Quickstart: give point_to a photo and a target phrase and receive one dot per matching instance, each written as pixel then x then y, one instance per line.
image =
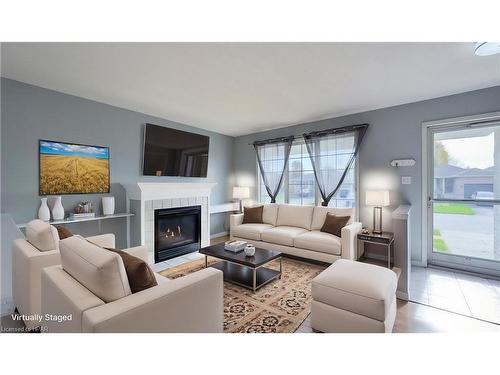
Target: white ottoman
pixel 351 296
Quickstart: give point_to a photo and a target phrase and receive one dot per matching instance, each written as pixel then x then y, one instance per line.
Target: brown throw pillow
pixel 63 232
pixel 140 276
pixel 334 224
pixel 253 215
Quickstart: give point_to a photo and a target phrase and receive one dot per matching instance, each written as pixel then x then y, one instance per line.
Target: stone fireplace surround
pixel 152 196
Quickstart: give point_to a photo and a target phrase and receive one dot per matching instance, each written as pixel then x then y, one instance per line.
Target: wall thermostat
pixel 403 162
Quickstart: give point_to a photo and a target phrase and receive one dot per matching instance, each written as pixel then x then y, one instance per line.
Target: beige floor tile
pixel 457 292
pixel 414 317
pixel 456 305
pixel 419 296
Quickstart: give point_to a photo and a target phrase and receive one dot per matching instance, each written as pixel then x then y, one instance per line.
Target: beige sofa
pixel 30 256
pixel 295 230
pixel 90 292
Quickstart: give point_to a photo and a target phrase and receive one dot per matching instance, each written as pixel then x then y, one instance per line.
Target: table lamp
pixel 240 193
pixel 377 199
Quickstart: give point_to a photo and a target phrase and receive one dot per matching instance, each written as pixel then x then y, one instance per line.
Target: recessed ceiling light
pixel 486 48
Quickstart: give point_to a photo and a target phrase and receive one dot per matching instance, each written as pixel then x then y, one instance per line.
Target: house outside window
pixel 299 185
pixel 455 182
pixel 449 185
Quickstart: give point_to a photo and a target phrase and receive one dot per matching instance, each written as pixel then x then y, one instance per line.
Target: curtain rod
pixel 342 129
pixel 274 140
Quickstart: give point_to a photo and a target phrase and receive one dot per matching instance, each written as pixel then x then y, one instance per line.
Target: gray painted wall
pixel 394 133
pixel 30 113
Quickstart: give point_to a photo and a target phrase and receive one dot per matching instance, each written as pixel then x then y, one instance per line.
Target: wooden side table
pixel 384 239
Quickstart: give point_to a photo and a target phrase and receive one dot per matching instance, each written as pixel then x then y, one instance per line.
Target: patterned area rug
pixel 278 307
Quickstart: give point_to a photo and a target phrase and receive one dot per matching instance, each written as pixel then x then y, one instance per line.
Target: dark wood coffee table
pixel 248 272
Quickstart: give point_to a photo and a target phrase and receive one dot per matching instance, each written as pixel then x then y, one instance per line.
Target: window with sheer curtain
pixel 299 186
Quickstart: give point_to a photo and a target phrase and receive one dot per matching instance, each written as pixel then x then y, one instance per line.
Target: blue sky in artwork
pixel 57 148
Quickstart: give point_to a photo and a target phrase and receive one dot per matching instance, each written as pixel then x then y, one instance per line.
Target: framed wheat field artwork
pixel 71 168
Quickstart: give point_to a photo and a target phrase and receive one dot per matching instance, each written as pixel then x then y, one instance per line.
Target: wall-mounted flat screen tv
pixel 171 152
pixel 70 168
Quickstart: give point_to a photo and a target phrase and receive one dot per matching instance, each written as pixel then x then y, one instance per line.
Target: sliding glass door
pixel 464 196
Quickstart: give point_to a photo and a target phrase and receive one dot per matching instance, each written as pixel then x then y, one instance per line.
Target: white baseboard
pixel 220 234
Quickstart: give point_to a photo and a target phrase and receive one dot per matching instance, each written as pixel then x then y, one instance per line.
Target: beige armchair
pixel 89 292
pixel 30 256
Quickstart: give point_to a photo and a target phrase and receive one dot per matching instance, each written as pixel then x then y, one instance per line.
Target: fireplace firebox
pixel 177 232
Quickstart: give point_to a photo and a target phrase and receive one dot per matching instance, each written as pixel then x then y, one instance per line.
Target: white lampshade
pixel 378 198
pixel 240 192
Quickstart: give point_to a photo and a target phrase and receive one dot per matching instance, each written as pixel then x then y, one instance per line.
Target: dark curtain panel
pixel 332 153
pixel 272 156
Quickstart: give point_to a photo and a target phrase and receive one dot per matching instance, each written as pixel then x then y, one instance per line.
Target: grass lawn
pixel 453 208
pixel 438 243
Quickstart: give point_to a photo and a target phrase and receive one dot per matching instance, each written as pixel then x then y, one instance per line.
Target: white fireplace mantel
pixel 162 190
pixel 160 195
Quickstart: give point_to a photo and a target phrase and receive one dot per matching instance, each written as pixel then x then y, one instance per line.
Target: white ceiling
pixel 241 88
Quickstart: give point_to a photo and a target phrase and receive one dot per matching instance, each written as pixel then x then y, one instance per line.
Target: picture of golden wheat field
pixel 71 169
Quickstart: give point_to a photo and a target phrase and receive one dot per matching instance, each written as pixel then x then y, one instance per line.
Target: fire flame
pixel 170 233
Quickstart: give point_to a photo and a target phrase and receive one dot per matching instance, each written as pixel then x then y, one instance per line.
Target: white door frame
pixel 449 122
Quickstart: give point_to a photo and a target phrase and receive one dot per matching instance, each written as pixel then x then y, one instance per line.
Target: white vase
pixel 108 205
pixel 43 211
pixel 58 210
pixel 249 250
